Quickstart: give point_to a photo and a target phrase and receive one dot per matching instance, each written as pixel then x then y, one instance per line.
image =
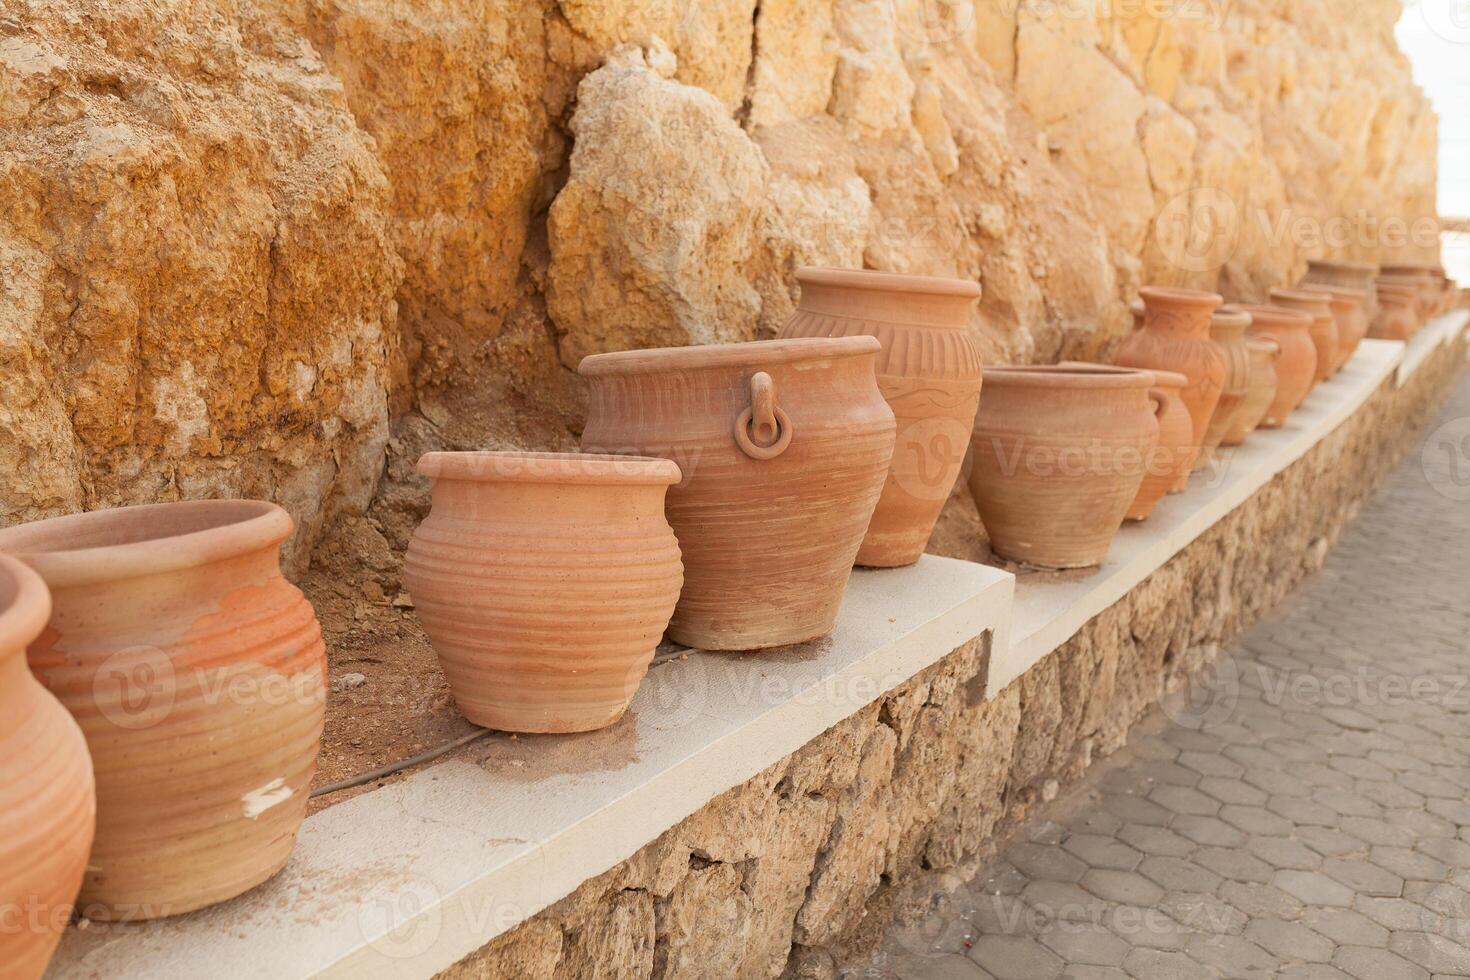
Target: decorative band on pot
pixel 545 581
pixel 198 675
pixel 784 446
pixel 929 373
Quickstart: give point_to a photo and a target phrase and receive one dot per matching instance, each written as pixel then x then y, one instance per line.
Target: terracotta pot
pixel 48 805
pixel 1227 329
pixel 1344 275
pixel 1176 337
pixel 1296 367
pixel 1425 282
pixel 198 676
pixel 1171 460
pixel 1324 325
pixel 784 445
pixel 545 581
pixel 1059 457
pixel 1352 321
pixel 929 373
pixel 1398 311
pixel 1264 354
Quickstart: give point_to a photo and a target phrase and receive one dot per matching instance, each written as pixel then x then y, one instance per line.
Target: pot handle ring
pixel 763 431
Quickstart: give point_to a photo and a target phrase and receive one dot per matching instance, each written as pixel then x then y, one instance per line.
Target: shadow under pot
pixel 1059 456
pixel 1296 366
pixel 1324 325
pixel 47 801
pixel 928 372
pixel 197 674
pixel 545 581
pixel 784 447
pixel 1263 354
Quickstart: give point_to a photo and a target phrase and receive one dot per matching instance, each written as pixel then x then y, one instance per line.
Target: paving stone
pixel 1210 830
pixel 1081 971
pixel 1285 852
pixel 1313 888
pixel 1367 963
pixel 1016 958
pixel 1330 843
pixel 1088 944
pixel 948 967
pixel 1124 887
pixel 1290 941
pixel 1363 877
pixel 1409 864
pixel 1234 863
pixel 1045 862
pixel 1312 971
pixel 1435 953
pixel 1257 820
pixel 1346 927
pixel 1157 840
pixel 1185 801
pixel 1393 913
pixel 1231 790
pixel 1098 851
pixel 1233 956
pixel 1157 964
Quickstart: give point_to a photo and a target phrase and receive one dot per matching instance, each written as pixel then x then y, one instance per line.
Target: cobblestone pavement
pixel 1305 816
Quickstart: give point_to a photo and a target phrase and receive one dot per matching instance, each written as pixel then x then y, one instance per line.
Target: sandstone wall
pixel 279 248
pixel 793 873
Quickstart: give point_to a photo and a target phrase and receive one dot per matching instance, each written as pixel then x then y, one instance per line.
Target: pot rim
pixel 1169 379
pixel 1414 269
pixel 1303 295
pixel 1178 294
pixel 576 469
pixel 1266 316
pixel 1231 315
pixel 1264 344
pixel 215 530
pixel 25 605
pixel 1363 268
pixel 754 355
pixel 888 282
pixel 1069 375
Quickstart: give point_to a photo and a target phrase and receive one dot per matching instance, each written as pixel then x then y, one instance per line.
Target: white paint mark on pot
pixel 273 793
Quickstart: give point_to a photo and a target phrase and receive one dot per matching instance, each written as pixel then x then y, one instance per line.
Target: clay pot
pixel 1059 456
pixel 929 373
pixel 1176 337
pixel 198 676
pixel 48 805
pixel 1264 354
pixel 1296 367
pixel 1227 329
pixel 1398 311
pixel 1324 325
pixel 545 581
pixel 1352 321
pixel 1344 275
pixel 784 446
pixel 1425 283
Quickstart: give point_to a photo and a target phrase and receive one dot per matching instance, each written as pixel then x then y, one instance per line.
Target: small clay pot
pixel 1227 329
pixel 784 446
pixel 929 373
pixel 1059 456
pixel 1324 325
pixel 197 674
pixel 1344 275
pixel 1172 458
pixel 544 581
pixel 1296 367
pixel 1264 354
pixel 1398 311
pixel 1176 337
pixel 1426 278
pixel 48 805
pixel 1352 320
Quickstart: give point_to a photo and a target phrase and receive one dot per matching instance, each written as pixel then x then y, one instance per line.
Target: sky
pixel 1436 36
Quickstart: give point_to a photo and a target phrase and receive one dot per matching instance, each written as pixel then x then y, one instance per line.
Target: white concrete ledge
pixel 1436 333
pixel 408 879
pixel 1048 614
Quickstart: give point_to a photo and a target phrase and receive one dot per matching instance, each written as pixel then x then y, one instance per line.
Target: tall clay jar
pixel 197 674
pixel 1172 457
pixel 1343 275
pixel 47 803
pixel 544 581
pixel 929 373
pixel 1324 325
pixel 784 446
pixel 1263 354
pixel 1399 309
pixel 1296 367
pixel 1059 456
pixel 1352 321
pixel 1227 329
pixel 1176 337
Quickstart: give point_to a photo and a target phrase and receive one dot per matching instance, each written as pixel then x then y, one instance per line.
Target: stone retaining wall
pixel 795 871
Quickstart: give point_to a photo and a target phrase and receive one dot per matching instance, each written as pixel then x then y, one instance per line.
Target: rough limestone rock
pixel 655 236
pixel 198 292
